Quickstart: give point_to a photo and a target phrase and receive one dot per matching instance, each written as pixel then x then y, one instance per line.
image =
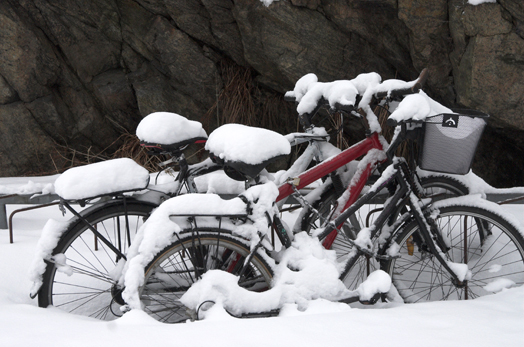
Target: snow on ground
pixel 28 185
pixel 496 320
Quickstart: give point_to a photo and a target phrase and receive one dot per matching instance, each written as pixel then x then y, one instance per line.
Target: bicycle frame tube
pixel 355 202
pixel 330 165
pixel 405 194
pixel 118 252
pixel 354 193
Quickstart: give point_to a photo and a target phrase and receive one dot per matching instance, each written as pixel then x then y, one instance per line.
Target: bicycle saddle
pixel 244 151
pixel 162 132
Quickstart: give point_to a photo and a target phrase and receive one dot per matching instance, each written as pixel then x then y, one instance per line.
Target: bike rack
pixel 22 210
pixel 21 199
pixel 3 220
pixel 43 201
pixel 511 201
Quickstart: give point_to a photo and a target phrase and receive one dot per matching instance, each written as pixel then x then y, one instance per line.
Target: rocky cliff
pixel 78 74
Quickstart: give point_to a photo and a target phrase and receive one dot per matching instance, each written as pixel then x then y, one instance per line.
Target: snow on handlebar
pixel 416 107
pixel 310 95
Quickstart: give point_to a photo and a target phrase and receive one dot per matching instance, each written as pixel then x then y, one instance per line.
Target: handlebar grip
pixel 391 122
pixel 346 108
pixel 420 81
pixel 290 98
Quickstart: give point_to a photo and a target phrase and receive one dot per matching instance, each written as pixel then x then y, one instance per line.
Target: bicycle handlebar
pixel 345 108
pixel 390 94
pixel 421 80
pixel 305 118
pixel 394 94
pixel 290 98
pixel 299 138
pixel 390 122
pixel 322 102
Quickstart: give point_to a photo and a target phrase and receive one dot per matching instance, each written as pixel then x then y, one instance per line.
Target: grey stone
pixel 485 20
pixel 28 64
pixel 154 93
pixel 7 94
pixel 114 90
pixel 430 43
pixel 25 148
pixel 514 7
pixel 491 77
pixel 80 73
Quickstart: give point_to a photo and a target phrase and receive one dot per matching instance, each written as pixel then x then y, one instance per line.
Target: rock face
pixel 79 73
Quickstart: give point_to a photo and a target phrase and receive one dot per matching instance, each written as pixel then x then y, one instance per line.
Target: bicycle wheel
pixel 86 286
pixel 442 187
pixel 495 261
pixel 178 266
pixel 355 271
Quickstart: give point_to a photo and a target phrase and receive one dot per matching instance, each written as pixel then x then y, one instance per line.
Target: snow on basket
pixel 93 180
pixel 168 128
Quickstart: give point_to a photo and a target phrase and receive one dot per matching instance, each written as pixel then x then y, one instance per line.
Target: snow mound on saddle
pixel 88 181
pixel 250 145
pixel 167 128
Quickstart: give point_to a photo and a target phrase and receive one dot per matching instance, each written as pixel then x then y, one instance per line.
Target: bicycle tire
pixel 90 290
pixel 355 271
pixel 170 274
pixel 495 262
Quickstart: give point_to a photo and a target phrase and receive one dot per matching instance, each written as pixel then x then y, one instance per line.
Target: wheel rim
pixel 357 272
pixel 495 261
pixel 172 273
pixel 87 284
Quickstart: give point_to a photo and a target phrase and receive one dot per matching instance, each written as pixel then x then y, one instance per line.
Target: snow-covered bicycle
pixel 456 248
pixel 94 243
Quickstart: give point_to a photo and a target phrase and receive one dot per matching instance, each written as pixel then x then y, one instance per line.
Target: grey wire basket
pixel 450 141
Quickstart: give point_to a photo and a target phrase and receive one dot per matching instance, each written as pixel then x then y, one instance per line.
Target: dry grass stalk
pixel 242 101
pixel 234 103
pixel 336 121
pixel 129 148
pixel 406 148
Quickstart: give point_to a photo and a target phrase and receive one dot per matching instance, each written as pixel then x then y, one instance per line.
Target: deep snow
pixel 496 320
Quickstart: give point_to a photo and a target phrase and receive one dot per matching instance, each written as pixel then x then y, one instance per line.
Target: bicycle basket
pixel 450 141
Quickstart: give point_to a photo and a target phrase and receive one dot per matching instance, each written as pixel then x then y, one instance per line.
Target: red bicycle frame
pixel 352 153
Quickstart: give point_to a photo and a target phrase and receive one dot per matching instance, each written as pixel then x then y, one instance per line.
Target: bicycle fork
pixel 433 239
pixel 429 231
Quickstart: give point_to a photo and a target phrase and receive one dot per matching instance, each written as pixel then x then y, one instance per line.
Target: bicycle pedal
pixel 192 314
pixel 374 299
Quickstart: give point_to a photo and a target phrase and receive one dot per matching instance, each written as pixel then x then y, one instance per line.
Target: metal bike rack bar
pixel 50 199
pixel 22 199
pixel 22 210
pixel 512 200
pixel 3 212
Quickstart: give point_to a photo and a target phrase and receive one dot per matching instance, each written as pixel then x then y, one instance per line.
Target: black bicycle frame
pixel 401 197
pixel 117 251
